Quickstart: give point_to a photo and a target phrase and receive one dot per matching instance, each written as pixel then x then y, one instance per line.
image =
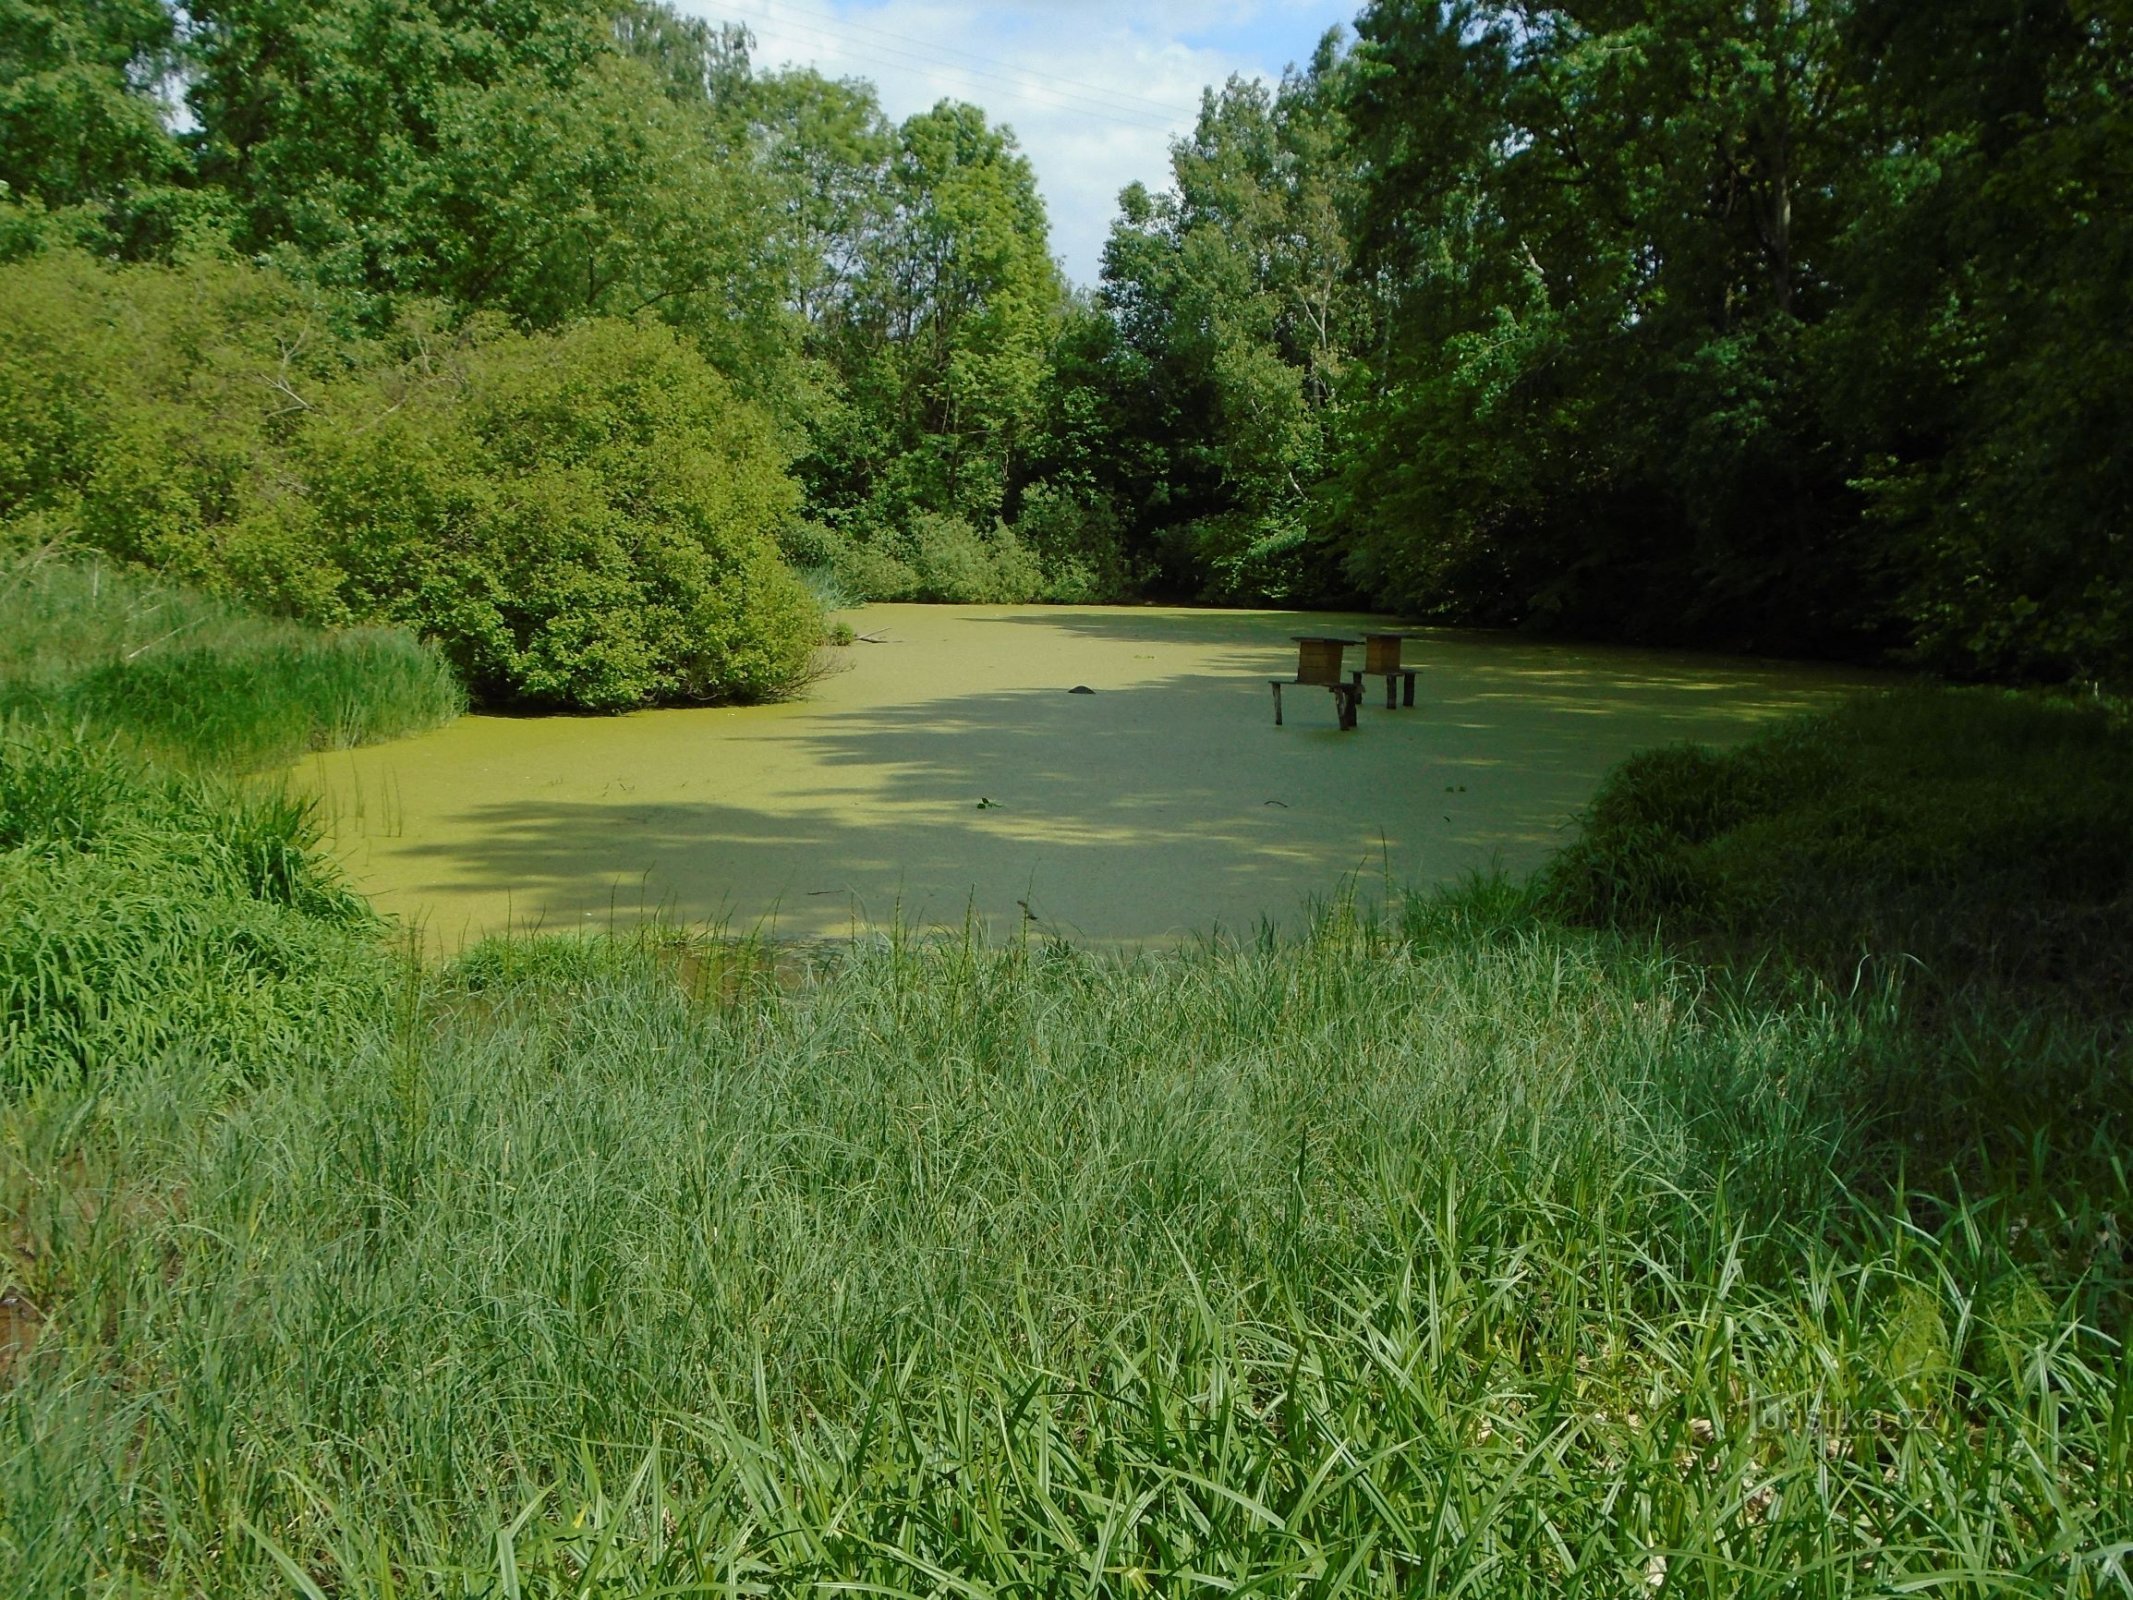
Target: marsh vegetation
pixel 1730 1201
pixel 1458 1244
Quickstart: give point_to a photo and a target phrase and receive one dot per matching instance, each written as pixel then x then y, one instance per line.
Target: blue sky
pixel 1095 90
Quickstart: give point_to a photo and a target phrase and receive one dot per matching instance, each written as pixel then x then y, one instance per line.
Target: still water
pixel 943 769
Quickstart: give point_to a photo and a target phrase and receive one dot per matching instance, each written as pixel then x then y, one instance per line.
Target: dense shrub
pixel 583 518
pixel 1978 836
pixel 147 414
pixel 941 558
pixel 1080 543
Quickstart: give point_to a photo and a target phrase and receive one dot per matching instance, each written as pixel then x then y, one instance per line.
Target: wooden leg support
pixel 1409 697
pixel 1346 698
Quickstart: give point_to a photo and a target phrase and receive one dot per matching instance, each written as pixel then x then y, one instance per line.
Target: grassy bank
pixel 1389 1262
pixel 1980 838
pixel 198 682
pixel 1470 1251
pixel 153 903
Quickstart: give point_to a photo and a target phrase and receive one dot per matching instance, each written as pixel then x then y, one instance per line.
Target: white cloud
pixel 1094 91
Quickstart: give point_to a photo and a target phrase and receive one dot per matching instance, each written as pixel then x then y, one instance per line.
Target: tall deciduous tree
pixel 1232 294
pixel 550 161
pixel 1602 235
pixel 937 310
pixel 85 138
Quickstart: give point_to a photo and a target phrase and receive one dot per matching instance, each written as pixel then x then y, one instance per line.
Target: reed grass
pixel 197 681
pixel 152 898
pixel 144 911
pixel 1462 1255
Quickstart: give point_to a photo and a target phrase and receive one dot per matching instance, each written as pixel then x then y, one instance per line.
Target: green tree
pixel 1984 364
pixel 86 149
pixel 546 161
pixel 1602 235
pixel 1232 293
pixel 941 330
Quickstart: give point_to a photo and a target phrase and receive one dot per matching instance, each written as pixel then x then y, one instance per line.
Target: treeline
pixel 1802 325
pixel 554 331
pixel 567 335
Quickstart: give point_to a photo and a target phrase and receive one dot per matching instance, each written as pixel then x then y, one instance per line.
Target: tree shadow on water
pixel 1154 811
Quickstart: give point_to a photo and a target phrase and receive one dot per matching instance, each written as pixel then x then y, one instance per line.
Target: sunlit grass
pixel 188 678
pixel 1463 1255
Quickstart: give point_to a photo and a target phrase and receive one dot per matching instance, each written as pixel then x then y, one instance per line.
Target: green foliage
pixel 1985 362
pixel 1801 327
pixel 943 559
pixel 1983 836
pixel 1797 326
pixel 145 915
pixel 1387 1261
pixel 86 152
pixel 141 410
pixel 937 319
pixel 583 518
pixel 201 682
pixel 1080 543
pixel 1592 407
pixel 541 161
pixel 1236 316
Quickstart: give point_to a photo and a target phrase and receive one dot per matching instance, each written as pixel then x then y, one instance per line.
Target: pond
pixel 943 769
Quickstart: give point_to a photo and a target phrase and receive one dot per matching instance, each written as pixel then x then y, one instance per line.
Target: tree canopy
pixel 1794 325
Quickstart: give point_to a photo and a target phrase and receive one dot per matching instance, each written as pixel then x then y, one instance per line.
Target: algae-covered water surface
pixel 945 769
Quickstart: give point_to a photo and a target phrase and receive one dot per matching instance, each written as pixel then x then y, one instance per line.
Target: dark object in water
pixel 1081 688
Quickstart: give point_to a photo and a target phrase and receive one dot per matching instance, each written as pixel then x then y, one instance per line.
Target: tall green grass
pixel 147 913
pixel 195 680
pixel 1463 1256
pixel 152 902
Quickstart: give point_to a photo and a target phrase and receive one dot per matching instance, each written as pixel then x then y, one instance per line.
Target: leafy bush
pixel 941 558
pixel 585 518
pixel 1243 558
pixel 1080 544
pixel 956 563
pixel 864 570
pixel 1986 835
